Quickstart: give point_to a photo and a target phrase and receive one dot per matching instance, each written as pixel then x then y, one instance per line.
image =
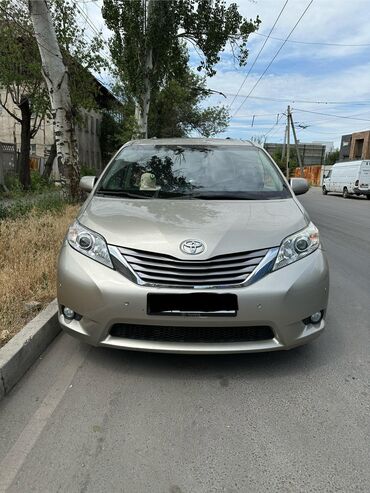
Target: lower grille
pixel 192 334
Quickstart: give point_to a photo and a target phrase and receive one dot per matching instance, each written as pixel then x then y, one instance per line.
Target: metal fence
pixel 311 154
pixel 8 157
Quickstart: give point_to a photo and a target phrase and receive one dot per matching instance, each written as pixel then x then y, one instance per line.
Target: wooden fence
pixel 311 173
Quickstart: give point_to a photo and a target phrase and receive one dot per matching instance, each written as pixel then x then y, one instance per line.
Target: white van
pixel 348 178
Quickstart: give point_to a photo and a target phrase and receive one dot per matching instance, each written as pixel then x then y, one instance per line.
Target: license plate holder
pixel 193 304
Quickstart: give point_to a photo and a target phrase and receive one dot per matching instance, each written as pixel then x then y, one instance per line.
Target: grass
pixel 48 201
pixel 29 244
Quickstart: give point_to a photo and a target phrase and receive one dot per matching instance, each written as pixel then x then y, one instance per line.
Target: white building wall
pixel 329 146
pixel 87 136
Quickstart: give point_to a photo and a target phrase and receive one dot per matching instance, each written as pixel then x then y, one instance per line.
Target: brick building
pixel 355 146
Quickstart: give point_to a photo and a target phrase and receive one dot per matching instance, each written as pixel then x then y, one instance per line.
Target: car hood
pixel 160 225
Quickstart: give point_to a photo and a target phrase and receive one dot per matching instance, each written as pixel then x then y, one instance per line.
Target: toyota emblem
pixel 192 247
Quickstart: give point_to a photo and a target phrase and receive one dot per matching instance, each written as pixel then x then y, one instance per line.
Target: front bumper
pixel 280 300
pixel 361 191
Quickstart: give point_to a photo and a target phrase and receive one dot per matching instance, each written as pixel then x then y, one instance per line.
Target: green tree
pixel 332 157
pixel 26 97
pixel 116 128
pixel 176 109
pixel 281 162
pixel 149 38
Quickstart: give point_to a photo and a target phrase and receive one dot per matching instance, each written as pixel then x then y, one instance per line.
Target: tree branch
pixel 36 127
pixel 3 104
pixel 194 44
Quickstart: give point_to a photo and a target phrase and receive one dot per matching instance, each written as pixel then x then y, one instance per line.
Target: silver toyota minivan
pixel 193 246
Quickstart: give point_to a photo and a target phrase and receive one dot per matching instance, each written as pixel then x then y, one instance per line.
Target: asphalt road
pixel 99 420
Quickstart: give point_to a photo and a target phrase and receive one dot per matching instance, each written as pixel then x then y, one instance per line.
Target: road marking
pixel 16 456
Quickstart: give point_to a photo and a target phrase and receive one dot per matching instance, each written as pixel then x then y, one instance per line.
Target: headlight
pixel 89 243
pixel 298 246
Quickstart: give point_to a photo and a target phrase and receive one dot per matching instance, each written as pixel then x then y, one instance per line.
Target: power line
pixel 275 125
pixel 24 29
pixel 334 116
pixel 258 54
pixel 98 33
pixel 31 33
pixel 83 15
pixel 303 101
pixel 274 57
pixel 274 132
pixel 320 121
pixel 307 130
pixel 344 45
pixel 255 115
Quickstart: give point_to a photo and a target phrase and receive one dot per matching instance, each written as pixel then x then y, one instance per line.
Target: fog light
pixel 68 313
pixel 316 317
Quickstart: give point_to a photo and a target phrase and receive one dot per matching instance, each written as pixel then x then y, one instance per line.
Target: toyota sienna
pixel 193 246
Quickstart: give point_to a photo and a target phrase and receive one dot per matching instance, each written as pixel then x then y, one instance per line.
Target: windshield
pixel 193 171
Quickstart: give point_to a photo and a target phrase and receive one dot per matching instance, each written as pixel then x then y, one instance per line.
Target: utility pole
pixel 288 142
pixel 296 145
pixel 284 145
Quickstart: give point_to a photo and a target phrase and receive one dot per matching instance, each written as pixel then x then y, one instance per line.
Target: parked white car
pixel 348 178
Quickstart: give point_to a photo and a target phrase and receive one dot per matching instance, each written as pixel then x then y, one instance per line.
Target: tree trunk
pixel 57 80
pixel 49 162
pixel 24 157
pixel 142 105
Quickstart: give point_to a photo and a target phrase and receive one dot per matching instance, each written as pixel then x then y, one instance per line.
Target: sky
pixel 331 63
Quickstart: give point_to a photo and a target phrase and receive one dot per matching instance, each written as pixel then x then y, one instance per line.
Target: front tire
pixel 368 197
pixel 345 193
pixel 324 191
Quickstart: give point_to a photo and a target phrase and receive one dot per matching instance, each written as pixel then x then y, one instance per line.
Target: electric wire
pixel 274 57
pixel 259 53
pixel 344 45
pixel 331 115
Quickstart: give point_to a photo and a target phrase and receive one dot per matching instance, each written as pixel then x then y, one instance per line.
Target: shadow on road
pixel 350 197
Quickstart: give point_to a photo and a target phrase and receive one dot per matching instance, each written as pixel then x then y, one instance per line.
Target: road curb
pixel 24 348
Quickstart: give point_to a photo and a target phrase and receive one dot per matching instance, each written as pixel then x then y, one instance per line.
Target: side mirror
pixel 299 185
pixel 87 183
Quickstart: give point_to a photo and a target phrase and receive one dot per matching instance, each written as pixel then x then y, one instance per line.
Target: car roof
pixel 194 141
pixel 348 163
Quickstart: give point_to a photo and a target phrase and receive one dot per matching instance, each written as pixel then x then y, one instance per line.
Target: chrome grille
pixel 223 270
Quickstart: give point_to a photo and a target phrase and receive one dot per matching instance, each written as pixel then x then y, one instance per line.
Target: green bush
pixel 17 209
pixel 87 171
pixel 51 202
pixel 13 184
pixel 38 183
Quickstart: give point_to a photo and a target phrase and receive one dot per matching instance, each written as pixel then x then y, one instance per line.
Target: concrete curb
pixel 22 351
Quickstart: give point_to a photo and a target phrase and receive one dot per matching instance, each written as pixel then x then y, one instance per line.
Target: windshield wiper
pixel 121 193
pixel 223 196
